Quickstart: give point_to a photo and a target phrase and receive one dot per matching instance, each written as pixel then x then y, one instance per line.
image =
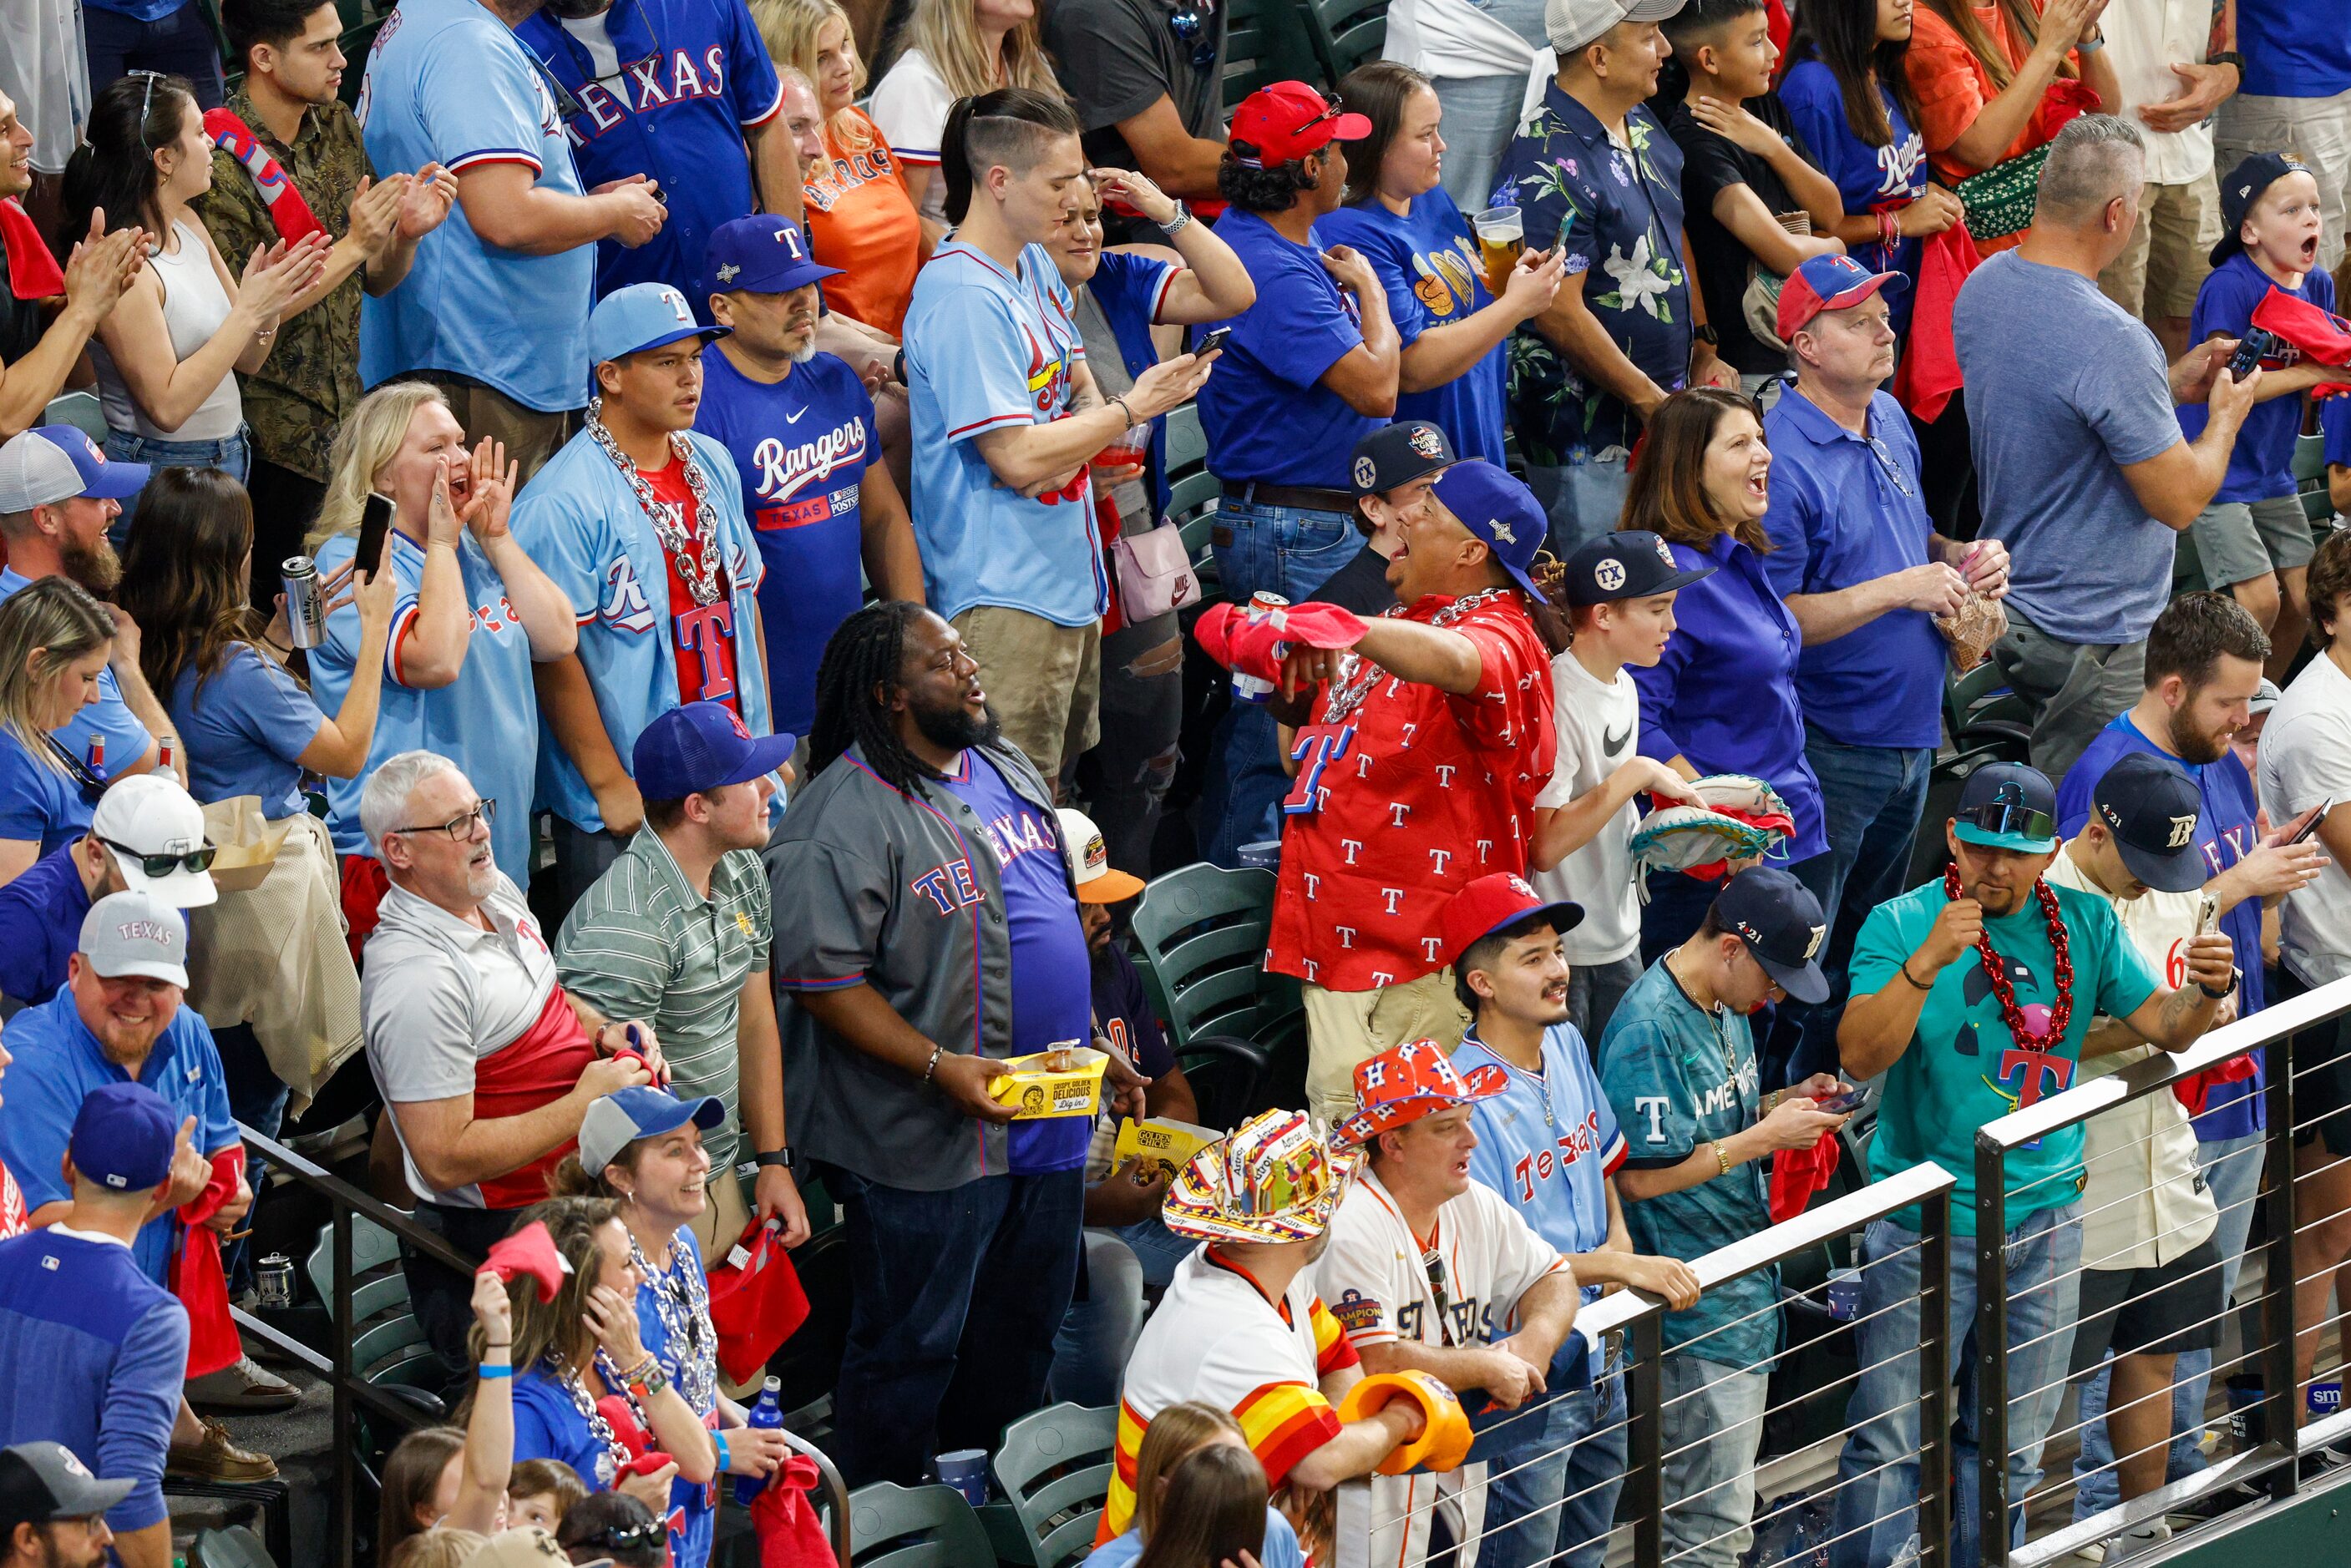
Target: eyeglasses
pixel 1189 23
pixel 2007 813
pixel 145 99
pixel 459 829
pixel 160 866
pixel 1885 456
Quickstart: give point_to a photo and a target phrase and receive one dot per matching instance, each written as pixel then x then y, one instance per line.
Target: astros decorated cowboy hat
pixel 1407 1082
pixel 1273 1178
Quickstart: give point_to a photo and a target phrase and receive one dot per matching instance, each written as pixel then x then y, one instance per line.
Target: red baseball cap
pixel 1291 120
pixel 1828 283
pixel 1489 903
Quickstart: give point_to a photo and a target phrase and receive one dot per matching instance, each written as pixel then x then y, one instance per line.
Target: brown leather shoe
pixel 218 1459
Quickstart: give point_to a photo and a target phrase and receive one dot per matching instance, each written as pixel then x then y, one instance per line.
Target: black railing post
pixel 1934 1380
pixel 1645 1392
pixel 2281 1402
pixel 1991 1353
pixel 346 1482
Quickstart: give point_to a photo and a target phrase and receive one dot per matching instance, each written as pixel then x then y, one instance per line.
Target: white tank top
pixel 194 305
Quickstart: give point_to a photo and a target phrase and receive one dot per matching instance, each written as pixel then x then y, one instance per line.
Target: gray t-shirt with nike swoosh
pixel 1596 722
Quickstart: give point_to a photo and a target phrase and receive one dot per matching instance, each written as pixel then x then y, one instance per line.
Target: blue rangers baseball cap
pixel 760 255
pixel 123 1137
pixel 1631 564
pixel 1499 510
pixel 641 317
pixel 697 747
pixel 621 1117
pixel 49 464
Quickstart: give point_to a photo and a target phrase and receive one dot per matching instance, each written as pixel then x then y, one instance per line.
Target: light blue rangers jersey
pixel 447 82
pixel 485 721
pixel 580 521
pixel 987 350
pixel 1549 1142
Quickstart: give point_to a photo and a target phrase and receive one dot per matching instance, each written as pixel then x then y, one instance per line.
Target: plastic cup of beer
pixel 1501 240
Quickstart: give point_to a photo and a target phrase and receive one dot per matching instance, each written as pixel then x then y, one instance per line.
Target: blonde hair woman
pixel 473 613
pixel 860 215
pixel 955 48
pixel 55 642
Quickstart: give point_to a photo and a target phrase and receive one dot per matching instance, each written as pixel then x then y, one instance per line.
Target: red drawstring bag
pixel 756 1301
pixel 790 1536
pixel 197 1278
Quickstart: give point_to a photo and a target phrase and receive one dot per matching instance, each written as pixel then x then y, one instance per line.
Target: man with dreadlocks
pixel 1973 995
pixel 931 931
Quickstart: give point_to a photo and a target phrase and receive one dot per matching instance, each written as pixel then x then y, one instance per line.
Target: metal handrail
pixel 2271 1464
pixel 349 1389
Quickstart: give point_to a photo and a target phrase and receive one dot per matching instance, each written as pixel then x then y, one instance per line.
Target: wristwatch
pixel 780 1158
pixel 1705 333
pixel 2228 57
pixel 2235 976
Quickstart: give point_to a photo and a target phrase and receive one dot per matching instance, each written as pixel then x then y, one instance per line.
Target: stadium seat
pixel 377 1282
pixel 79 409
pixel 892 1526
pixel 1202 934
pixel 1055 1467
pixel 231 1546
pixel 1264 42
pixel 1978 709
pixel 1345 34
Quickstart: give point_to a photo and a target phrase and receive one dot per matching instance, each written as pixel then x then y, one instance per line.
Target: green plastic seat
pixel 892 1526
pixel 1265 42
pixel 1202 933
pixel 1055 1467
pixel 378 1285
pixel 1345 34
pixel 1187 444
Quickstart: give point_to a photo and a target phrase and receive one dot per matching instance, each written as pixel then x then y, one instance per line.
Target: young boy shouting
pixel 2252 542
pixel 1620 592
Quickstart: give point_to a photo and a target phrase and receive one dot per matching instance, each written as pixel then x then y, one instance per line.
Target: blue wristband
pixel 724 1460
pixel 488 1372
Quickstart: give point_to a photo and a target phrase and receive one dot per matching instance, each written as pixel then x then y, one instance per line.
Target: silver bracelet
pixel 1177 225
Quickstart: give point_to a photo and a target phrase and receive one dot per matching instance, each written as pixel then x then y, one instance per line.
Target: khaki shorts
pixel 2241 542
pixel 1043 680
pixel 485 414
pixel 2169 254
pixel 1346 1028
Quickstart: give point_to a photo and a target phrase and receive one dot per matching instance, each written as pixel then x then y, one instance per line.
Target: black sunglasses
pixel 164 864
pixel 626 1537
pixel 1189 23
pixel 2007 813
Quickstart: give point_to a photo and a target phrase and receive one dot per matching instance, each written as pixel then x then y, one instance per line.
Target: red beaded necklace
pixel 2060 1014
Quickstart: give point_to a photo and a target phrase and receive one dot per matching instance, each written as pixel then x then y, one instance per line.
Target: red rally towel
pixel 790 1536
pixel 1254 645
pixel 1930 372
pixel 1798 1173
pixel 33 272
pixel 530 1253
pixel 2319 335
pixel 196 1275
pixel 539 1064
pixel 756 1301
pixel 286 209
pixel 2197 1092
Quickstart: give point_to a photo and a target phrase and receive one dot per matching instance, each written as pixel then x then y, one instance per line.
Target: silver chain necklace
pixel 1349 690
pixel 690 1342
pixel 616 1453
pixel 697 560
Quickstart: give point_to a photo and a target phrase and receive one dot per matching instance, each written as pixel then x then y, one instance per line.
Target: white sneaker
pixel 2137 1542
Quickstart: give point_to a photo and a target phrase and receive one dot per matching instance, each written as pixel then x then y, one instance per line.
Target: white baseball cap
pixel 1575 24
pixel 1098 882
pixel 136 933
pixel 149 815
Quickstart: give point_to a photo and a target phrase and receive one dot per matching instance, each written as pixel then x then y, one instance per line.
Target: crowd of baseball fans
pixel 615 592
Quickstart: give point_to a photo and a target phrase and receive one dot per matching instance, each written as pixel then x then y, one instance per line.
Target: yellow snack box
pixel 1163 1145
pixel 1038 1088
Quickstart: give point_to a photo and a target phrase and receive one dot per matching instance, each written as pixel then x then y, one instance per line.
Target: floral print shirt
pixel 1619 212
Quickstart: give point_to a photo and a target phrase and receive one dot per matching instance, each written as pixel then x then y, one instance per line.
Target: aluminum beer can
pixel 306 607
pixel 1251 688
pixel 273 1281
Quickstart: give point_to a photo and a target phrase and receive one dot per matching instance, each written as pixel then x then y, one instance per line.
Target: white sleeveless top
pixel 194 305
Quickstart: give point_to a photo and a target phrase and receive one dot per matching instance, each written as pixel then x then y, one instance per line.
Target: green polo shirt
pixel 641 943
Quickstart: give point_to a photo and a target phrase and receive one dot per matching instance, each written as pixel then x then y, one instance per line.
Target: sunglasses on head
pixel 2006 812
pixel 158 865
pixel 146 99
pixel 627 1537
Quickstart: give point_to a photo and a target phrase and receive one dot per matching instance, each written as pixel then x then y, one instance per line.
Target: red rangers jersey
pixel 1415 793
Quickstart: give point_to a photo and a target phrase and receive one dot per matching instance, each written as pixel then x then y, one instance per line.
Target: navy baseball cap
pixel 1827 283
pixel 1632 564
pixel 1394 455
pixel 123 1137
pixel 1499 510
pixel 641 317
pixel 2150 806
pixel 701 746
pixel 2007 806
pixel 49 464
pixel 621 1117
pixel 1782 924
pixel 2241 190
pixel 760 255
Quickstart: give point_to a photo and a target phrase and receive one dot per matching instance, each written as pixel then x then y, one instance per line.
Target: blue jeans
pixel 180 43
pixel 1713 1413
pixel 954 1297
pixel 1261 548
pixel 232 455
pixel 1561 1486
pixel 1157 1248
pixel 1877 1475
pixel 2233 1169
pixel 1871 800
pixel 1584 498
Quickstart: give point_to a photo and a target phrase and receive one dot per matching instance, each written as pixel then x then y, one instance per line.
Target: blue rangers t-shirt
pixel 668 89
pixel 1677 1076
pixel 1052 972
pixel 447 84
pixel 802 447
pixel 1427 264
pixel 693 1505
pixel 990 350
pixel 2225 834
pixel 1264 409
pixel 2260 465
pixel 1867 177
pixel 1548 1142
pixel 2296 48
